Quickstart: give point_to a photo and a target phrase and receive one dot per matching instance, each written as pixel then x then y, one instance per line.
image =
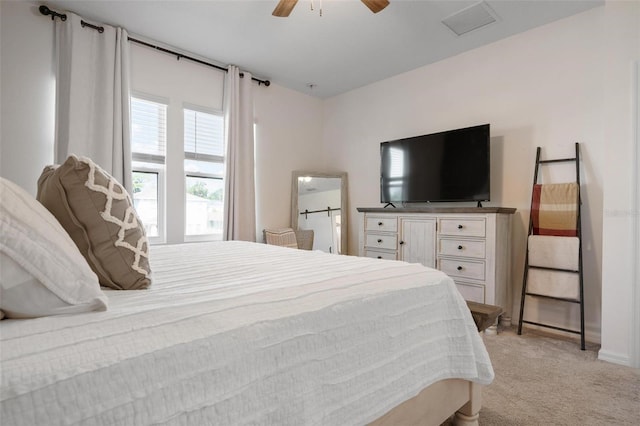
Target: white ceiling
pixel 346 48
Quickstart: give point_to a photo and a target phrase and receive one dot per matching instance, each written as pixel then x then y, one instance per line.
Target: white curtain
pixel 92 83
pixel 239 195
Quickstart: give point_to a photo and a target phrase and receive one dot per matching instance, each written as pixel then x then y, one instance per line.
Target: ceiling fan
pixel 284 7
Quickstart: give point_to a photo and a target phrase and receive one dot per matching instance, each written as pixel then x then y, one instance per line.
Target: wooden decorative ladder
pixel 553 259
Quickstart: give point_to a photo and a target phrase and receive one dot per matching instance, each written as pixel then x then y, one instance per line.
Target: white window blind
pixel 148 130
pixel 203 136
pixel 148 151
pixel 204 171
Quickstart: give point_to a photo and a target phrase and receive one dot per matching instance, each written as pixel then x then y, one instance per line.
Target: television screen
pixel 445 166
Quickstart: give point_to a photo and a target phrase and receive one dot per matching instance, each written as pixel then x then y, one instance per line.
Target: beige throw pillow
pixel 98 214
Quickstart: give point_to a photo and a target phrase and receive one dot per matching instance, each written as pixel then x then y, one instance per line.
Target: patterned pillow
pixel 98 214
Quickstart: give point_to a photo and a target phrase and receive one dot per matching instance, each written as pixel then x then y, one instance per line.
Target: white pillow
pixel 42 271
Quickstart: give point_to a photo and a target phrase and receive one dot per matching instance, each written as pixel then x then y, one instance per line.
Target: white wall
pixel 540 88
pixel 621 165
pixel 288 138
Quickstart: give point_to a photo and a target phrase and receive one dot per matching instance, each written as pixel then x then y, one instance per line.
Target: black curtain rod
pixel 180 56
pixel 63 17
pixel 328 210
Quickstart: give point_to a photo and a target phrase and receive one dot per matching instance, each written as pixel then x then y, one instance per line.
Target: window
pixel 148 147
pixel 204 152
pixel 145 200
pixel 181 103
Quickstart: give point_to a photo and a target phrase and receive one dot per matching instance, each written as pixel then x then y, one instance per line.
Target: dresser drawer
pixel 464 248
pixel 376 223
pixel 463 268
pixel 380 255
pixel 471 292
pixel 462 227
pixel 383 241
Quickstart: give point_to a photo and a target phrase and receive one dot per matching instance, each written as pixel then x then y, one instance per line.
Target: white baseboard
pixel 614 358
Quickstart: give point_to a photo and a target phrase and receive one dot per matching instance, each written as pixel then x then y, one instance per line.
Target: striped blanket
pixel 554 209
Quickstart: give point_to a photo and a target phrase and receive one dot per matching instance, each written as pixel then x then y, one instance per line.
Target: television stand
pixel 391 204
pixel 479 204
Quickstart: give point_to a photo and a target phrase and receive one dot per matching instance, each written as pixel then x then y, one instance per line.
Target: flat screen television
pixel 439 167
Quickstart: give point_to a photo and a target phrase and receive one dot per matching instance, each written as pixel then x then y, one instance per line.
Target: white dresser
pixel 470 244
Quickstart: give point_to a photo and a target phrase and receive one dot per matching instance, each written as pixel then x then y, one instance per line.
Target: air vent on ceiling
pixel 470 18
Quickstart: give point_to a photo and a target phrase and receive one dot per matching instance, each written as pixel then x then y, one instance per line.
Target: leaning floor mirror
pixel 319 202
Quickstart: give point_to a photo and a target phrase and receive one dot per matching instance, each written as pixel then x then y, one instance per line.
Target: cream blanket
pixel 554 252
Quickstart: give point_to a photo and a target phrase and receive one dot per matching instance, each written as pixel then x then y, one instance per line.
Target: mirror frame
pixel 343 202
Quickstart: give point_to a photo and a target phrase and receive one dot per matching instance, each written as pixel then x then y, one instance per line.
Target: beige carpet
pixel 543 380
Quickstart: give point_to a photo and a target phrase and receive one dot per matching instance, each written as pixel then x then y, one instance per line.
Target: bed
pixel 245 333
pixel 103 330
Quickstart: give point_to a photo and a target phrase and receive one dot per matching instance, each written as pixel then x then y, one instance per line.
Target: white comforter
pixel 244 333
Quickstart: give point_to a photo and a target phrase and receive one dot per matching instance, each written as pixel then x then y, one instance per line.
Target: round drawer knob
pixel 459 268
pixel 379 257
pixel 379 240
pixel 401 242
pixel 460 247
pixel 380 223
pixel 460 226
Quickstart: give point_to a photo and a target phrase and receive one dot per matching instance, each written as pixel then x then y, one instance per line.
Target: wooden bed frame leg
pixel 469 414
pixel 464 420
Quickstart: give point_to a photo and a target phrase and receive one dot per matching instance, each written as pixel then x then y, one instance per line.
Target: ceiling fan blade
pixel 284 8
pixel 376 5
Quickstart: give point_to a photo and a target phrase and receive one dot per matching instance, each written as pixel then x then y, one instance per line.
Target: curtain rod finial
pixel 44 10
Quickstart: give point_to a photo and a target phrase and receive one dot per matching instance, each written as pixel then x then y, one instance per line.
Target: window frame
pixel 161 237
pixel 205 158
pixel 160 170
